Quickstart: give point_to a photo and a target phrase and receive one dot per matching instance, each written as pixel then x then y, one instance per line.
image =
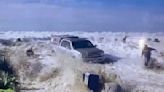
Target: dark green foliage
pixel 7 75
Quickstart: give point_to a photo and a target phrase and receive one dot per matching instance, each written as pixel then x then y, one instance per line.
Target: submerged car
pixel 73 44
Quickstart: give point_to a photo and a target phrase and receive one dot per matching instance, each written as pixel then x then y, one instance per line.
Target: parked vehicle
pixel 72 44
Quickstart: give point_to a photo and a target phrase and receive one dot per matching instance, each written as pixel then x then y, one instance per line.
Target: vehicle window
pixel 82 44
pixel 66 44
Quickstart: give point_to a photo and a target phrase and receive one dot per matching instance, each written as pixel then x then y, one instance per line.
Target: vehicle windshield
pixel 82 44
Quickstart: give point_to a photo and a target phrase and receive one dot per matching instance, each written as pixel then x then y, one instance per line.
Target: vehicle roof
pixel 65 36
pixel 76 39
pixel 71 38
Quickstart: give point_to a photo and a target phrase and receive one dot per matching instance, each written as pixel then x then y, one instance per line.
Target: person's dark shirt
pixel 147 51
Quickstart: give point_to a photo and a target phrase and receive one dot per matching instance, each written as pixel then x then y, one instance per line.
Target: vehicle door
pixel 65 48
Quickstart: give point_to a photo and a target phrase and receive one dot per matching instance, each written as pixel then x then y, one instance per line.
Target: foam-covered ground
pixel 129 67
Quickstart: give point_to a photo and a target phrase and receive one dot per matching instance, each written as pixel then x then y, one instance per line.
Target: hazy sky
pixel 82 15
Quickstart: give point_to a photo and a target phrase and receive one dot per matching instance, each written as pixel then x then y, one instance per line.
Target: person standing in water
pixel 146 52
